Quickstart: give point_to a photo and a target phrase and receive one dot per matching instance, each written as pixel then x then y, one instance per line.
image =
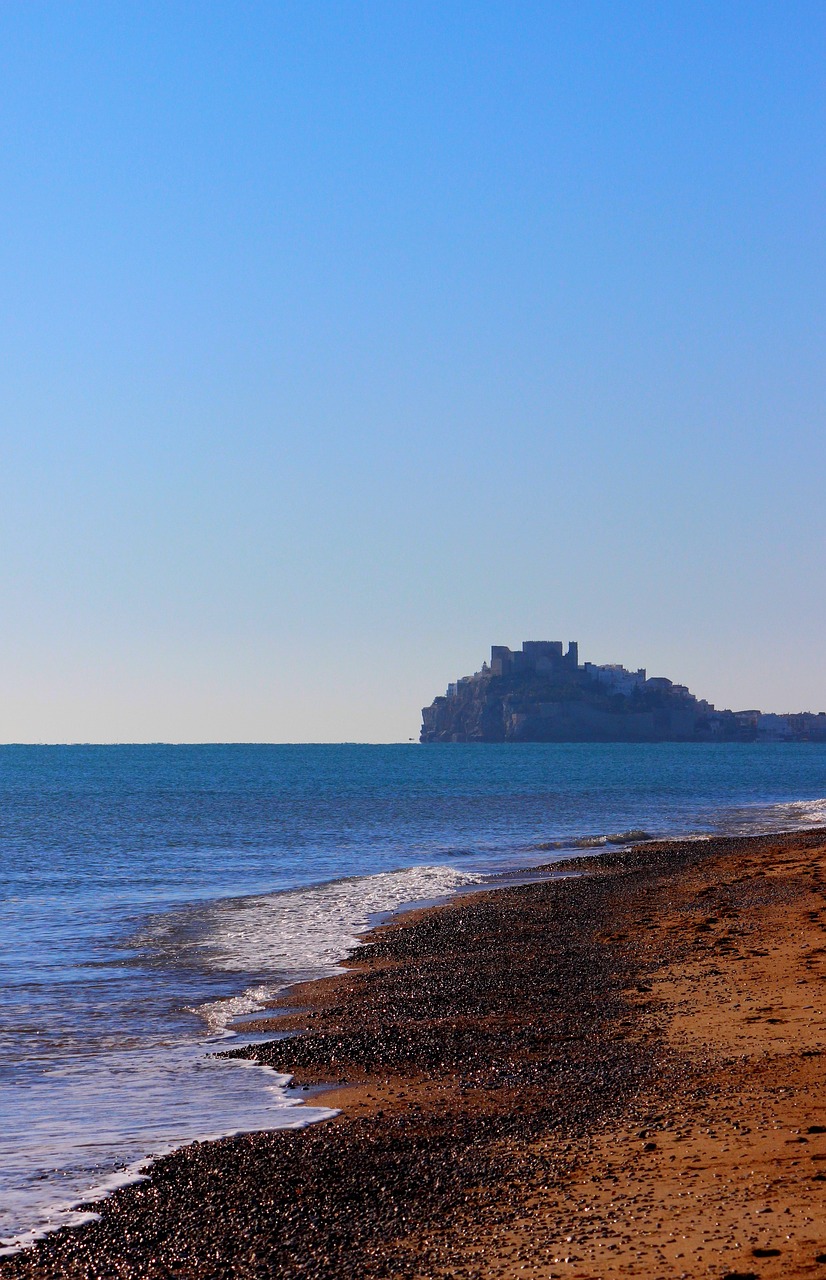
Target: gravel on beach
pixel 507 1073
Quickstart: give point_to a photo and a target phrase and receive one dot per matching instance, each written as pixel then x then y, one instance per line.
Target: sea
pixel 153 898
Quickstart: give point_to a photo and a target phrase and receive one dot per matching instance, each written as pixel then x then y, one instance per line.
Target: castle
pixel 541 693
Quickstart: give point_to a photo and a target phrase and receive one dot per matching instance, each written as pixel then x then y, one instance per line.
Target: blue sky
pixel 340 341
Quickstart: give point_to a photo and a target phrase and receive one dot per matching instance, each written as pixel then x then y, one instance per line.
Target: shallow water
pixel 148 895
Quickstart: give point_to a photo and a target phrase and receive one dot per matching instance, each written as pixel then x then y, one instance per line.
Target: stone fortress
pixel 541 693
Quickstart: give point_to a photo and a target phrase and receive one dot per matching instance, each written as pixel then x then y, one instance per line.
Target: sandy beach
pixel 617 1073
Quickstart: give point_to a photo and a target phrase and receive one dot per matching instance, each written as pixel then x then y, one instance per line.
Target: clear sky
pixel 341 340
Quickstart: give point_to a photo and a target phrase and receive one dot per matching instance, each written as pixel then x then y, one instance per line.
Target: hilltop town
pixel 541 693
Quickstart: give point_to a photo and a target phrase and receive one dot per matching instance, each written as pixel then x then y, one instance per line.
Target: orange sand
pixel 726 1177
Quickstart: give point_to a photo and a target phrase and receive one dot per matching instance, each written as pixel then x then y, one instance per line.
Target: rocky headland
pixel 540 693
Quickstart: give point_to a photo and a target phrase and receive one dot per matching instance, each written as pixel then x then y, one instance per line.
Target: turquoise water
pixel 150 896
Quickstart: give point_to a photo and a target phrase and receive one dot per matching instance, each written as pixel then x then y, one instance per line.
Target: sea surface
pixel 152 896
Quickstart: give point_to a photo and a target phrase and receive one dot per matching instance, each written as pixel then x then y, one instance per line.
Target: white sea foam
pixel 294 935
pixel 166 1101
pixel 805 813
pixel 166 1096
pixel 783 816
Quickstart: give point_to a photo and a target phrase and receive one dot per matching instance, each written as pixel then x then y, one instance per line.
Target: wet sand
pixel 616 1074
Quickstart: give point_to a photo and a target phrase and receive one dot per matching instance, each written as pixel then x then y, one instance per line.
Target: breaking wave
pixel 760 818
pixel 632 836
pixel 288 936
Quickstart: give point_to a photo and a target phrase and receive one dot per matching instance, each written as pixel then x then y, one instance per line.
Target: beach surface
pixel 615 1073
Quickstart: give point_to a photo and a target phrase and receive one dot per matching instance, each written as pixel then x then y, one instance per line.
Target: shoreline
pixel 492 1054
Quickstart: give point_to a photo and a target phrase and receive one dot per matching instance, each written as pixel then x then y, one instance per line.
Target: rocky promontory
pixel 541 693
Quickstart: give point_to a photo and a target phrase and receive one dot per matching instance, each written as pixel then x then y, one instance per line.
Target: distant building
pixel 616 678
pixel 774 728
pixel 542 656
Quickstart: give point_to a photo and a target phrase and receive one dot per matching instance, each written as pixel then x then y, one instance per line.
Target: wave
pixel 759 818
pixel 289 936
pixel 787 815
pixel 162 1099
pixel 633 836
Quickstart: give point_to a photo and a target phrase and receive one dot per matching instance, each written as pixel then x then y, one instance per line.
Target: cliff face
pixel 496 709
pixel 478 714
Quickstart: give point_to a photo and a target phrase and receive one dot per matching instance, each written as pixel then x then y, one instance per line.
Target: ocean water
pixel 151 896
